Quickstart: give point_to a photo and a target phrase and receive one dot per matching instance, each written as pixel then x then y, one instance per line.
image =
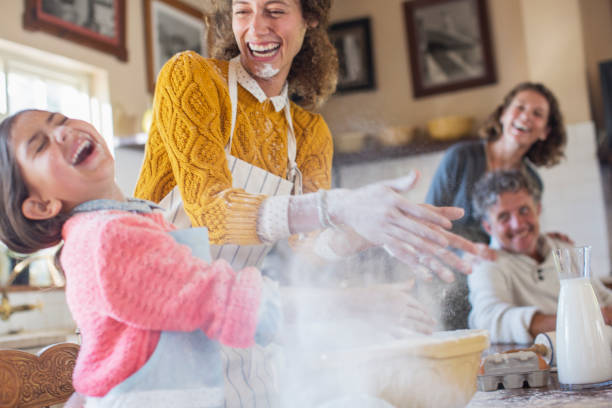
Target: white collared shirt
pixel 506 293
pixel 251 85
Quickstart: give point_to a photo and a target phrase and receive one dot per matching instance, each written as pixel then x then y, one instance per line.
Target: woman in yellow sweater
pixel 254 167
pixel 279 49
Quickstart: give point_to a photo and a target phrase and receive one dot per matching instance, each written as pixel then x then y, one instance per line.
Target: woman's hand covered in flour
pixel 390 308
pixel 417 234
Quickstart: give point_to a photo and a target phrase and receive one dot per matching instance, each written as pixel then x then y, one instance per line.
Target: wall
pixel 520 30
pixel 127 167
pixel 573 200
pixel 129 95
pixel 555 54
pixel 596 16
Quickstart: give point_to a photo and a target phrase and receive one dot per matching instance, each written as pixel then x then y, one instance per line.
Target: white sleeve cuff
pixel 273 220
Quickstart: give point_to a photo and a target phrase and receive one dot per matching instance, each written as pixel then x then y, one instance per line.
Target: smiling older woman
pixel 234 139
pixel 526 130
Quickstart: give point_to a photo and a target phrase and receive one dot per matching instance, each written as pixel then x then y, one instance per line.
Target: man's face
pixel 514 222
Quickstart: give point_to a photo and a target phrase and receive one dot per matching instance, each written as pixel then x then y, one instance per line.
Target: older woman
pixel 234 139
pixel 525 131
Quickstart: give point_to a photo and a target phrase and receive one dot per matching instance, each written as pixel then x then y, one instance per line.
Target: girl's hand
pixel 417 234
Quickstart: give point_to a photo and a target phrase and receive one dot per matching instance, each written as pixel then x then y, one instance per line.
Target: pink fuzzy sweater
pixel 127 280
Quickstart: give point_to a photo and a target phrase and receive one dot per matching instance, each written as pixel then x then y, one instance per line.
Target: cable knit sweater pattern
pixel 190 129
pixel 128 280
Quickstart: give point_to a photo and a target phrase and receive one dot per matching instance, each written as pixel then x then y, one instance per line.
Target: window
pixel 32 78
pixel 30 86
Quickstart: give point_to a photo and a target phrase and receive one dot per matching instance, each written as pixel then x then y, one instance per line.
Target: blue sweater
pixel 461 167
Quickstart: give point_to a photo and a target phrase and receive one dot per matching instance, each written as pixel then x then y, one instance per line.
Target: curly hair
pixel 495 183
pixel 314 70
pixel 546 152
pixel 17 232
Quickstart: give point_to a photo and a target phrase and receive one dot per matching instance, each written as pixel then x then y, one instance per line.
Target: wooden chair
pixel 37 380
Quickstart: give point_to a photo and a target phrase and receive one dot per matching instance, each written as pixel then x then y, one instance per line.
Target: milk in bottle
pixel 583 353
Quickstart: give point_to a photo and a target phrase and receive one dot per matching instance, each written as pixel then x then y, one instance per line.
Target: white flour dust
pixel 330 332
pixel 267 71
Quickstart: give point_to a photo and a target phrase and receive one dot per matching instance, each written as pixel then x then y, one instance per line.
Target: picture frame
pixel 171 26
pixel 353 42
pixel 449 45
pixel 98 24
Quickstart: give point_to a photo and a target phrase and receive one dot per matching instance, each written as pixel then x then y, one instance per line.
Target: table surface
pixel 549 396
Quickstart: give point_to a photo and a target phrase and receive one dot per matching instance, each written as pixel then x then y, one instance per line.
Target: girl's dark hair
pixel 543 152
pixel 314 71
pixel 17 232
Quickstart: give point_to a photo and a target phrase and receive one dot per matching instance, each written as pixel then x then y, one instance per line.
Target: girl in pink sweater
pixel 151 312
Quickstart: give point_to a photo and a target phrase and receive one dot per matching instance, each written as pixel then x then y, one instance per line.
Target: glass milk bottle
pixel 583 353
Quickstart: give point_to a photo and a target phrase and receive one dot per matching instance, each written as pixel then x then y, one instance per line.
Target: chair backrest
pixel 37 380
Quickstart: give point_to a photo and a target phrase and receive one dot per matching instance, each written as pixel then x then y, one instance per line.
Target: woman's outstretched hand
pixel 417 234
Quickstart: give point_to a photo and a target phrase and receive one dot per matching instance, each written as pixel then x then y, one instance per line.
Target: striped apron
pixel 250 374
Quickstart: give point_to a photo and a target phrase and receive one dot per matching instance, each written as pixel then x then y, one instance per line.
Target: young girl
pixel 149 310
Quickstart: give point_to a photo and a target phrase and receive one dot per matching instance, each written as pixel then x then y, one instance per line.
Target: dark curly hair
pixel 314 71
pixel 543 152
pixel 17 232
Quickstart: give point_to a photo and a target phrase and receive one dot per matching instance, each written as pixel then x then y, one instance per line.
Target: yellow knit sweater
pixel 191 126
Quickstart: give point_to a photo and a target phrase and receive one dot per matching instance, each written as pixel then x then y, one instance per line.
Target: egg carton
pixel 512 370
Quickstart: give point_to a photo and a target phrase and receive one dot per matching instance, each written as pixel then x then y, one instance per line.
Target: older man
pixel 515 297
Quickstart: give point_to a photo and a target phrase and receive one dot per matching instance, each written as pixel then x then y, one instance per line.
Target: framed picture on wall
pixel 450 45
pixel 171 26
pixel 353 43
pixel 99 24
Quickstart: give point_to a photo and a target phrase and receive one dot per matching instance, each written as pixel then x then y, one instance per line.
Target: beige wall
pixel 545 46
pixel 555 54
pixel 597 41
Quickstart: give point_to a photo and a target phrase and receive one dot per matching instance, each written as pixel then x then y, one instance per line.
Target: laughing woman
pixel 234 140
pixel 526 130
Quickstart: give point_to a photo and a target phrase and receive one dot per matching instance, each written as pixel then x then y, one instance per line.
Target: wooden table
pixel 549 396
